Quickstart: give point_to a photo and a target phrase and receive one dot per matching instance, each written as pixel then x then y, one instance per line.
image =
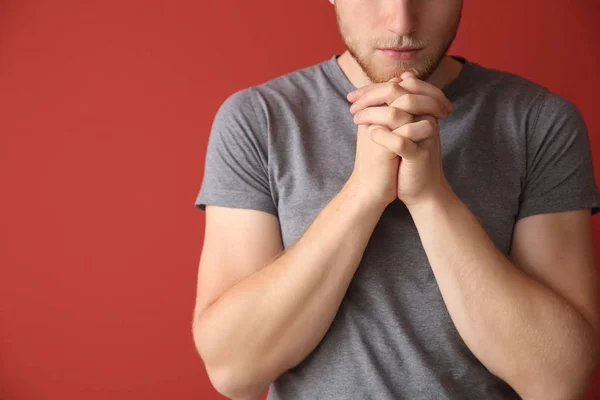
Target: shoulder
pixel 288 91
pixel 521 95
pixel 296 83
pixel 503 85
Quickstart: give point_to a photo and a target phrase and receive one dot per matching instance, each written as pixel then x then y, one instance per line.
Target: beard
pixel 426 61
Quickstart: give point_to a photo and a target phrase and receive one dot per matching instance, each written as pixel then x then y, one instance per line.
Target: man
pixel 426 236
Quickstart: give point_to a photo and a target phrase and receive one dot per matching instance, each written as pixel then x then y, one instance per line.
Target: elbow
pixel 570 384
pixel 233 382
pixel 553 393
pixel 568 388
pixel 234 385
pixel 572 388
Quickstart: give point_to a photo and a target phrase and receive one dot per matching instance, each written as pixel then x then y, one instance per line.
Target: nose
pixel 400 17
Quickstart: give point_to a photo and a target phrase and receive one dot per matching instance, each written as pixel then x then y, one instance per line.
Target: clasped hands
pixel 402 116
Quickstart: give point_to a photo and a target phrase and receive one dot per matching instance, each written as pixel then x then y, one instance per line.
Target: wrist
pixel 442 197
pixel 366 199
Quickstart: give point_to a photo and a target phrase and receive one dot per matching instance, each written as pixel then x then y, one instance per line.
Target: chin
pixel 383 71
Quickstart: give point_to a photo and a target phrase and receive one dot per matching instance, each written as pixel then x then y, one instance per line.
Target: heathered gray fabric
pixel 511 149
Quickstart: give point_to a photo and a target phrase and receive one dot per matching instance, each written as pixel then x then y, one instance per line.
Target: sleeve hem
pixel 558 204
pixel 236 199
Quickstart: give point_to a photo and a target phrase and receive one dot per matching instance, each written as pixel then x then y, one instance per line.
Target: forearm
pixel 272 320
pixel 518 328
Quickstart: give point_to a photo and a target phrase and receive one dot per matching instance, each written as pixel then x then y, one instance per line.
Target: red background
pixel 105 108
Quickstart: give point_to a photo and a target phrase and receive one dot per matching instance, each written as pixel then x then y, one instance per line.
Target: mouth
pixel 401 53
pixel 405 48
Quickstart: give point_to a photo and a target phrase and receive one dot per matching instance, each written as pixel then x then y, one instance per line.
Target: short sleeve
pixel 236 164
pixel 560 171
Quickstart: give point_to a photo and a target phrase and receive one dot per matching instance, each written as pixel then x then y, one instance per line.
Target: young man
pixel 425 237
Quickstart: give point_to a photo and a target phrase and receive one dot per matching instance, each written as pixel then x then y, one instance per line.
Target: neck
pixel 444 74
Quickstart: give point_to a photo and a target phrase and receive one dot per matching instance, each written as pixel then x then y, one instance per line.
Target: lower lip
pixel 400 55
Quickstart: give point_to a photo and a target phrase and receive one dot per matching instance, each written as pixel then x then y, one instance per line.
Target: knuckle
pixel 409 83
pixel 439 106
pixel 374 131
pixel 398 91
pixel 409 101
pixel 433 126
pixel 394 113
pixel 391 88
pixel 398 144
pixel 408 131
pixel 401 101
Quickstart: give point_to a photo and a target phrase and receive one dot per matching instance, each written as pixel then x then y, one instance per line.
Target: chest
pixel 482 162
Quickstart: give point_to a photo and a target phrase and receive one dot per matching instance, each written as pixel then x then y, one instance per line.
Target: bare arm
pixel 533 320
pixel 271 320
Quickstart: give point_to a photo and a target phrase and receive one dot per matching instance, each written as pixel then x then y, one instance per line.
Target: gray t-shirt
pixel 511 149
